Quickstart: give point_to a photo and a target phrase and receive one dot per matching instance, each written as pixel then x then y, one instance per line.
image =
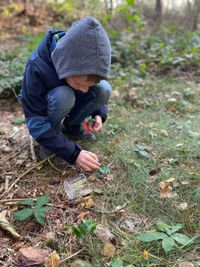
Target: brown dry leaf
pixel 165 190
pixel 4 224
pixel 81 216
pixel 186 264
pixel 53 260
pixel 89 202
pixel 164 133
pixel 32 256
pixel 108 250
pixel 183 206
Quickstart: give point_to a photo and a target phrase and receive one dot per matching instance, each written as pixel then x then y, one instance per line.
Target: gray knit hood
pixel 83 50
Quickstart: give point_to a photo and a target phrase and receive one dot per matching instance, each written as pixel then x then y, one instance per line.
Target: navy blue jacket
pixel 40 77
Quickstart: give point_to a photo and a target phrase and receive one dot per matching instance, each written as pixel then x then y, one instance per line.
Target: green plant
pixel 169 236
pixel 37 209
pixel 86 227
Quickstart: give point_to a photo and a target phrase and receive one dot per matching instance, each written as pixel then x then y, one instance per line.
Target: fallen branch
pixel 24 174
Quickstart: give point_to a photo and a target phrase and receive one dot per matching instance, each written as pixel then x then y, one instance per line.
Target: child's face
pixel 81 83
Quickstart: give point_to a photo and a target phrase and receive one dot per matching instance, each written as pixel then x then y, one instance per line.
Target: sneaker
pixel 78 132
pixel 44 153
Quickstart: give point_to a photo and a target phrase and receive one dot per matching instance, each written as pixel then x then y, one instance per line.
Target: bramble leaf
pixel 39 215
pixel 174 229
pixel 45 209
pixel 23 214
pixel 42 201
pixel 181 239
pixel 168 244
pixel 104 169
pixel 151 236
pixel 163 227
pixel 28 202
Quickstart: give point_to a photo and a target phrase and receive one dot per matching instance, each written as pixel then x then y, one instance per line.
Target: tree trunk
pixel 158 13
pixel 196 12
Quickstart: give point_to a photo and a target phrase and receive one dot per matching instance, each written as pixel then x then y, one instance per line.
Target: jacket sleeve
pixel 102 112
pixel 35 109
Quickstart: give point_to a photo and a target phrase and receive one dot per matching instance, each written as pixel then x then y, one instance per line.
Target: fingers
pixel 97 125
pixel 88 160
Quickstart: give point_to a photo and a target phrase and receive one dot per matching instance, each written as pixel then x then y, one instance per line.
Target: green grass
pixel 128 127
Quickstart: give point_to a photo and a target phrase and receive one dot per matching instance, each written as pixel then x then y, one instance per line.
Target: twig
pixel 6 183
pixel 25 173
pixel 33 155
pixel 15 199
pixel 11 201
pixel 71 256
pixel 54 166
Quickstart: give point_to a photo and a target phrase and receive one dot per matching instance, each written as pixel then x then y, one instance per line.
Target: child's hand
pixel 97 125
pixel 87 160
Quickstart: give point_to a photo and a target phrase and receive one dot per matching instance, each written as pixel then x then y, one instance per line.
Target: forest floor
pixel 148 139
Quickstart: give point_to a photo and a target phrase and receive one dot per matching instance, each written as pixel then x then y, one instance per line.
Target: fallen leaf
pixel 89 202
pixel 32 256
pixel 120 208
pixel 108 249
pixel 184 182
pixel 172 100
pixel 81 216
pixel 145 254
pixel 53 260
pixel 185 264
pixel 170 180
pixel 179 145
pixel 165 190
pixel 183 206
pixel 164 133
pixel 152 179
pixel 4 224
pixel 104 234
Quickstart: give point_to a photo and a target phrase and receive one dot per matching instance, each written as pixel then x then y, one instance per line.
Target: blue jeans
pixel 63 102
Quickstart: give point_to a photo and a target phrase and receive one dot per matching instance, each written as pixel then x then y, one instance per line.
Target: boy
pixel 64 84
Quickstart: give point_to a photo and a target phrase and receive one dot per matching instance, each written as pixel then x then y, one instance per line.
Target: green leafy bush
pixel 157 52
pixel 12 65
